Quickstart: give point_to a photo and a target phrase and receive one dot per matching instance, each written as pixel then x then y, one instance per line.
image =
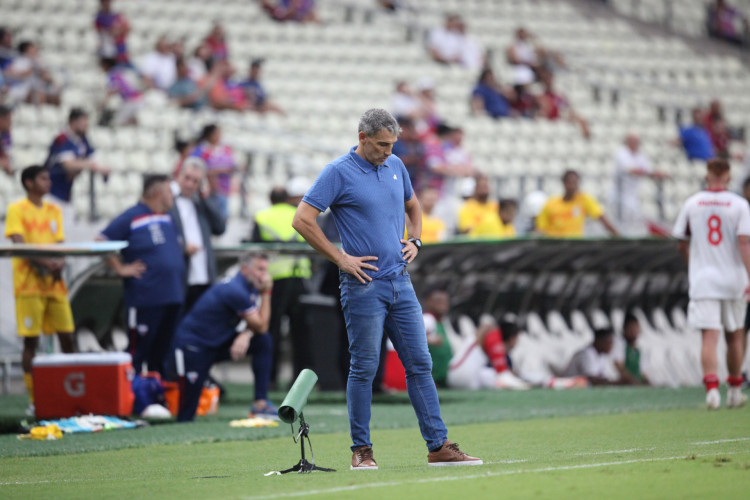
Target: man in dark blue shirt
pixel 152 267
pixel 488 97
pixel 70 154
pixel 209 334
pixel 368 191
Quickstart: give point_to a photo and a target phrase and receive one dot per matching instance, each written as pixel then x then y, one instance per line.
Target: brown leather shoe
pixel 362 459
pixel 449 454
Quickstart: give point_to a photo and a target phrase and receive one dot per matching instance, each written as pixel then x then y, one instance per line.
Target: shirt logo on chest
pixel 394 177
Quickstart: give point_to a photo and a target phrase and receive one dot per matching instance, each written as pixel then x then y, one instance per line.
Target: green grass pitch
pixel 601 443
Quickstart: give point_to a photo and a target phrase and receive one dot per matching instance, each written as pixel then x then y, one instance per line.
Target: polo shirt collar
pixel 364 165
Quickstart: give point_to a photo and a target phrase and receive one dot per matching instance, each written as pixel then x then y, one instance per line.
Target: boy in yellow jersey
pixel 41 295
pixel 565 216
pixel 433 228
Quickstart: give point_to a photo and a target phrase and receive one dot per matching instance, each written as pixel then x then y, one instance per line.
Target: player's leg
pixel 164 325
pixel 405 327
pixel 705 315
pixel 58 317
pixel 29 313
pixel 733 315
pixel 197 363
pixel 364 308
pixel 261 352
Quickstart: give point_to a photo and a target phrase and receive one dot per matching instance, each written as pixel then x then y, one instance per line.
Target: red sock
pixel 735 381
pixel 711 381
pixel 495 349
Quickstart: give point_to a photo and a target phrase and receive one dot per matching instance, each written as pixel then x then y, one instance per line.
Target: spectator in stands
pixel 152 267
pixel 727 23
pixel 186 92
pixel 451 45
pixel 428 117
pixel 113 28
pixel 490 98
pixel 222 94
pixel 217 42
pixel 6 121
pixel 719 130
pixel 220 164
pixel 404 103
pixel 199 62
pixel 525 104
pixel 158 67
pixel 411 151
pixel 553 106
pixel 479 208
pixel 526 52
pixel 197 217
pixel 301 11
pixel 595 361
pixel 695 139
pixel 508 210
pixel 7 52
pixel 122 81
pixel 626 353
pixel 564 216
pixel 631 165
pixel 289 273
pixel 30 80
pixel 38 287
pixel 70 154
pixel 183 148
pixel 447 158
pixel 433 228
pixel 501 226
pixel 256 94
pixel 208 335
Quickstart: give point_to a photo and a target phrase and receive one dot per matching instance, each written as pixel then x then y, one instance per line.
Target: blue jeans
pixel 388 306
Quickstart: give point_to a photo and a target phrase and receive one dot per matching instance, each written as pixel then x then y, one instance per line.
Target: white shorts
pixel 716 314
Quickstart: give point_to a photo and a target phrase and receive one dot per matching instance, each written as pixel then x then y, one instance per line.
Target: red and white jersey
pixel 712 221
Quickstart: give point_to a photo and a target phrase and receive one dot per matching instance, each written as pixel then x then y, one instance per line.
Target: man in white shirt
pixel 160 66
pixel 595 361
pixel 197 216
pixel 451 45
pixel 631 165
pixel 714 232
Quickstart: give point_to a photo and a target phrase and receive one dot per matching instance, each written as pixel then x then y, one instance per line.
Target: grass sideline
pixel 685 453
pixel 326 413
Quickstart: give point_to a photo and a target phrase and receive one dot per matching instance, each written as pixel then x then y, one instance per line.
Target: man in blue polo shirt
pixel 368 191
pixel 152 267
pixel 208 334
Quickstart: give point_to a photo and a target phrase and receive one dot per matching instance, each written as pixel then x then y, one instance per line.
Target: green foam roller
pixel 296 398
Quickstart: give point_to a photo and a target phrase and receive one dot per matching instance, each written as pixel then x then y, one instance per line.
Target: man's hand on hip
pixel 356 266
pixel 409 251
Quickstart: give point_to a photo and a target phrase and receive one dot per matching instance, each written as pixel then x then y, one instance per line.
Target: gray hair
pixel 195 163
pixel 374 120
pixel 250 257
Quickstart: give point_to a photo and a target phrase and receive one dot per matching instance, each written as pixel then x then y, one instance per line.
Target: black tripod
pixel 304 466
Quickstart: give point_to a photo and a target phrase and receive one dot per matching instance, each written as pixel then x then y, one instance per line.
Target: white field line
pixel 718 441
pixel 613 452
pixel 479 476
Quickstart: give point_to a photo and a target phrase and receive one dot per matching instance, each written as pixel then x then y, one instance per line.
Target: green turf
pixel 326 412
pixel 686 453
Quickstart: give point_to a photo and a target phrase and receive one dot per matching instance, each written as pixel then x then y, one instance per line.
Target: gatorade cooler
pixel 66 385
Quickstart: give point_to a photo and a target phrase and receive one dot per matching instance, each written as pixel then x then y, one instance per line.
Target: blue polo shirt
pixel 367 204
pixel 66 146
pixel 213 320
pixel 152 238
pixel 697 142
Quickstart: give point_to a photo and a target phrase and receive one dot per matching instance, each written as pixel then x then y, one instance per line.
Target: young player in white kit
pixel 714 232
